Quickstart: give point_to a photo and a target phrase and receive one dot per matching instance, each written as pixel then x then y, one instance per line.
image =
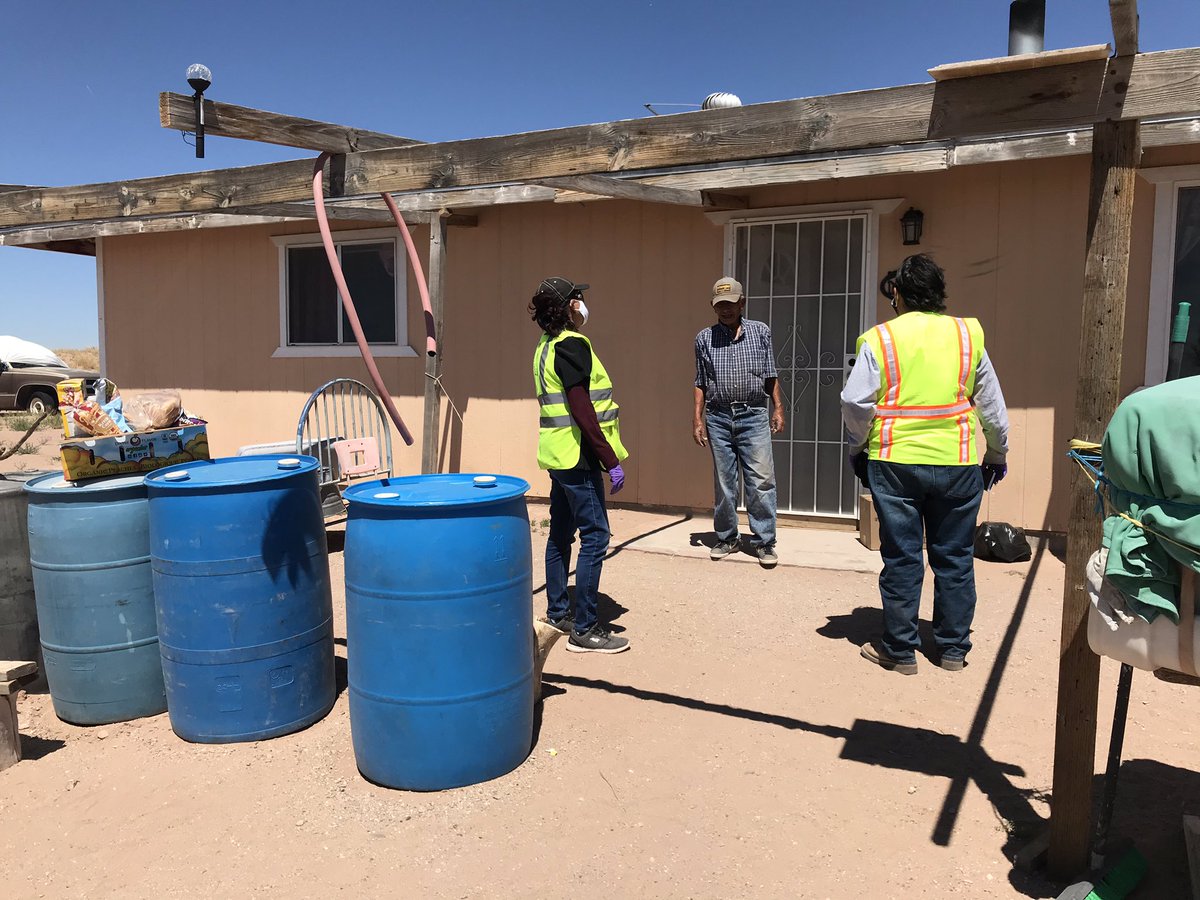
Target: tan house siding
pixel 200 311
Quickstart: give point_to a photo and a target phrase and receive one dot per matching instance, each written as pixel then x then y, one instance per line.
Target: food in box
pixel 128 454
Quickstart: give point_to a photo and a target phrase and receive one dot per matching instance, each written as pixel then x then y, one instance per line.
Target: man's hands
pixel 699 432
pixel 617 476
pixel 777 421
pixel 993 474
pixel 858 462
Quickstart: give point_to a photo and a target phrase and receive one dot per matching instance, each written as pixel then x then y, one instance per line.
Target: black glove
pixel 993 474
pixel 858 462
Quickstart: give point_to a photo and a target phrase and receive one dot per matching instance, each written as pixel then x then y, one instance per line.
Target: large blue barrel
pixel 89 547
pixel 439 629
pixel 241 579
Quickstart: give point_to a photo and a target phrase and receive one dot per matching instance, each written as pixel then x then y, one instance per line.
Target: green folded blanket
pixel 1152 463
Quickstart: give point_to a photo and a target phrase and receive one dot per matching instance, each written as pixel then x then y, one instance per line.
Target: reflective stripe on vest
pixel 925 409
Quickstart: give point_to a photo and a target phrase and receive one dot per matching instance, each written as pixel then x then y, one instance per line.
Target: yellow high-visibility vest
pixel 559 438
pixel 924 414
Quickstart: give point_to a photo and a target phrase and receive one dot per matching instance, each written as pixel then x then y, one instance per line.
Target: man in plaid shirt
pixel 736 383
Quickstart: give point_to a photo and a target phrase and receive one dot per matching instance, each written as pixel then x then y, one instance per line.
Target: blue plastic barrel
pixel 241 579
pixel 89 547
pixel 439 628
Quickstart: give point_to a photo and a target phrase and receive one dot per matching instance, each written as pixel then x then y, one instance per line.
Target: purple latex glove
pixel 993 474
pixel 617 476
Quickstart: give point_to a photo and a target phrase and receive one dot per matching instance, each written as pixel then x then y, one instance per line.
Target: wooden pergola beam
pixel 907 162
pixel 1124 17
pixel 60 234
pixel 1156 84
pixel 1019 61
pixel 349 212
pixel 607 186
pixel 178 111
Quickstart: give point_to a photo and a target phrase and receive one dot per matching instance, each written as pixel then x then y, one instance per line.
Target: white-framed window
pixel 1175 267
pixel 312 319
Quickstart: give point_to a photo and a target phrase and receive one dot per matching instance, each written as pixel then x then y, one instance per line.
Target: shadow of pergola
pixel 920 750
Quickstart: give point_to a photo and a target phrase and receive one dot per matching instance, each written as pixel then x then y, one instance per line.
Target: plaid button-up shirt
pixel 734 371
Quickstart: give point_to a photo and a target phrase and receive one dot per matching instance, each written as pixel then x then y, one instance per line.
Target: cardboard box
pixel 868 523
pixel 71 393
pixel 129 454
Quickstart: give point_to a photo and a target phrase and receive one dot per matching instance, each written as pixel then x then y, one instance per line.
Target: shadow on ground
pixel 36 747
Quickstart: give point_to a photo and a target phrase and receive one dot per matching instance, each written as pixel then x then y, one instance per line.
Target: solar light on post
pixel 200 78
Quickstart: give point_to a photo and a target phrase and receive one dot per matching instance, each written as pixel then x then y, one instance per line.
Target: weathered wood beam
pixel 1145 86
pixel 606 186
pixel 1124 17
pixel 1115 156
pixel 433 364
pixel 178 111
pixel 1156 84
pixel 79 247
pixel 432 201
pixel 1019 61
pixel 349 212
pixel 25 237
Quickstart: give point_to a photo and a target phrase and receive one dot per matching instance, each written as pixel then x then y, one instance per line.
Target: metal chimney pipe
pixel 1026 26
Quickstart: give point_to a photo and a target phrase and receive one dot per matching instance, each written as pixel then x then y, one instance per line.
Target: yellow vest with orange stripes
pixel 924 414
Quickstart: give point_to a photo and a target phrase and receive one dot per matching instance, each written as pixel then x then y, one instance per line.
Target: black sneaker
pixel 596 640
pixel 722 549
pixel 767 557
pixel 564 625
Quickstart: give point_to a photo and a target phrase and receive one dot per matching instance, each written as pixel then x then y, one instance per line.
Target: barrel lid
pixel 458 489
pixel 231 471
pixel 56 483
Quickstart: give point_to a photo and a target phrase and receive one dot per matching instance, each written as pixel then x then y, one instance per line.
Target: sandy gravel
pixel 741 749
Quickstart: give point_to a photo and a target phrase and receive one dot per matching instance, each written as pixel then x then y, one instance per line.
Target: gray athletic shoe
pixel 597 639
pixel 722 549
pixel 767 557
pixel 565 625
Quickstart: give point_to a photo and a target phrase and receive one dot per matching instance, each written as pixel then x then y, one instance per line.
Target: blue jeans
pixel 576 504
pixel 740 438
pixel 934 506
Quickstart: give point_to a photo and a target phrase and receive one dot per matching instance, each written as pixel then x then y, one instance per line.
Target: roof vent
pixel 1026 26
pixel 721 100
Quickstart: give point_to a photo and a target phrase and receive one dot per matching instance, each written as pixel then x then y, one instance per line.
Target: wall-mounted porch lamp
pixel 200 78
pixel 911 225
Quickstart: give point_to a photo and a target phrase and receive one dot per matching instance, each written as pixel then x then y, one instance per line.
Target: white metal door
pixel 805 277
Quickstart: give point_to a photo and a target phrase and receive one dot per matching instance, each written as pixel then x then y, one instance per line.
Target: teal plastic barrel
pixel 89 547
pixel 439 628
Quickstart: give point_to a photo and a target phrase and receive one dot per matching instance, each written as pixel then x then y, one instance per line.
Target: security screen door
pixel 805 279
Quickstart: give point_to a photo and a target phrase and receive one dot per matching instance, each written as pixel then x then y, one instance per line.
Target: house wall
pixel 200 311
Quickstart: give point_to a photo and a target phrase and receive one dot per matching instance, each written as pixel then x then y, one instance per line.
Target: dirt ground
pixel 39 453
pixel 741 749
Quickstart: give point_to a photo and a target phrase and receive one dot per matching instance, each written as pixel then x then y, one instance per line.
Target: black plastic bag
pixel 1000 542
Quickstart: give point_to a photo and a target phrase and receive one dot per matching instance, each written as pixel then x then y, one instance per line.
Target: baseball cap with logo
pixel 727 290
pixel 562 288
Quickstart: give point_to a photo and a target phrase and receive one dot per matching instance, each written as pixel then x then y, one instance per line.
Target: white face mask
pixel 582 309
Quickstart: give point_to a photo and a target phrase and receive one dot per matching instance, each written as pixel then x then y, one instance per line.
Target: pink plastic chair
pixel 358 456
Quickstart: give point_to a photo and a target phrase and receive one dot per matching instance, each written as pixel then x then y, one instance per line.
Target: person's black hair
pixel 920 281
pixel 551 312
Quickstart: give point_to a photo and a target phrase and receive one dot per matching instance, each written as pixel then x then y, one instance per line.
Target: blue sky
pixel 79 81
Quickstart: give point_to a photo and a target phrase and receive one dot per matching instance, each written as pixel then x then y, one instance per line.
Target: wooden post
pixel 433 364
pixel 1115 154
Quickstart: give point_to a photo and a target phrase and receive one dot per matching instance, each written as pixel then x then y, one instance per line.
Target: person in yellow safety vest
pixel 919 384
pixel 579 438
